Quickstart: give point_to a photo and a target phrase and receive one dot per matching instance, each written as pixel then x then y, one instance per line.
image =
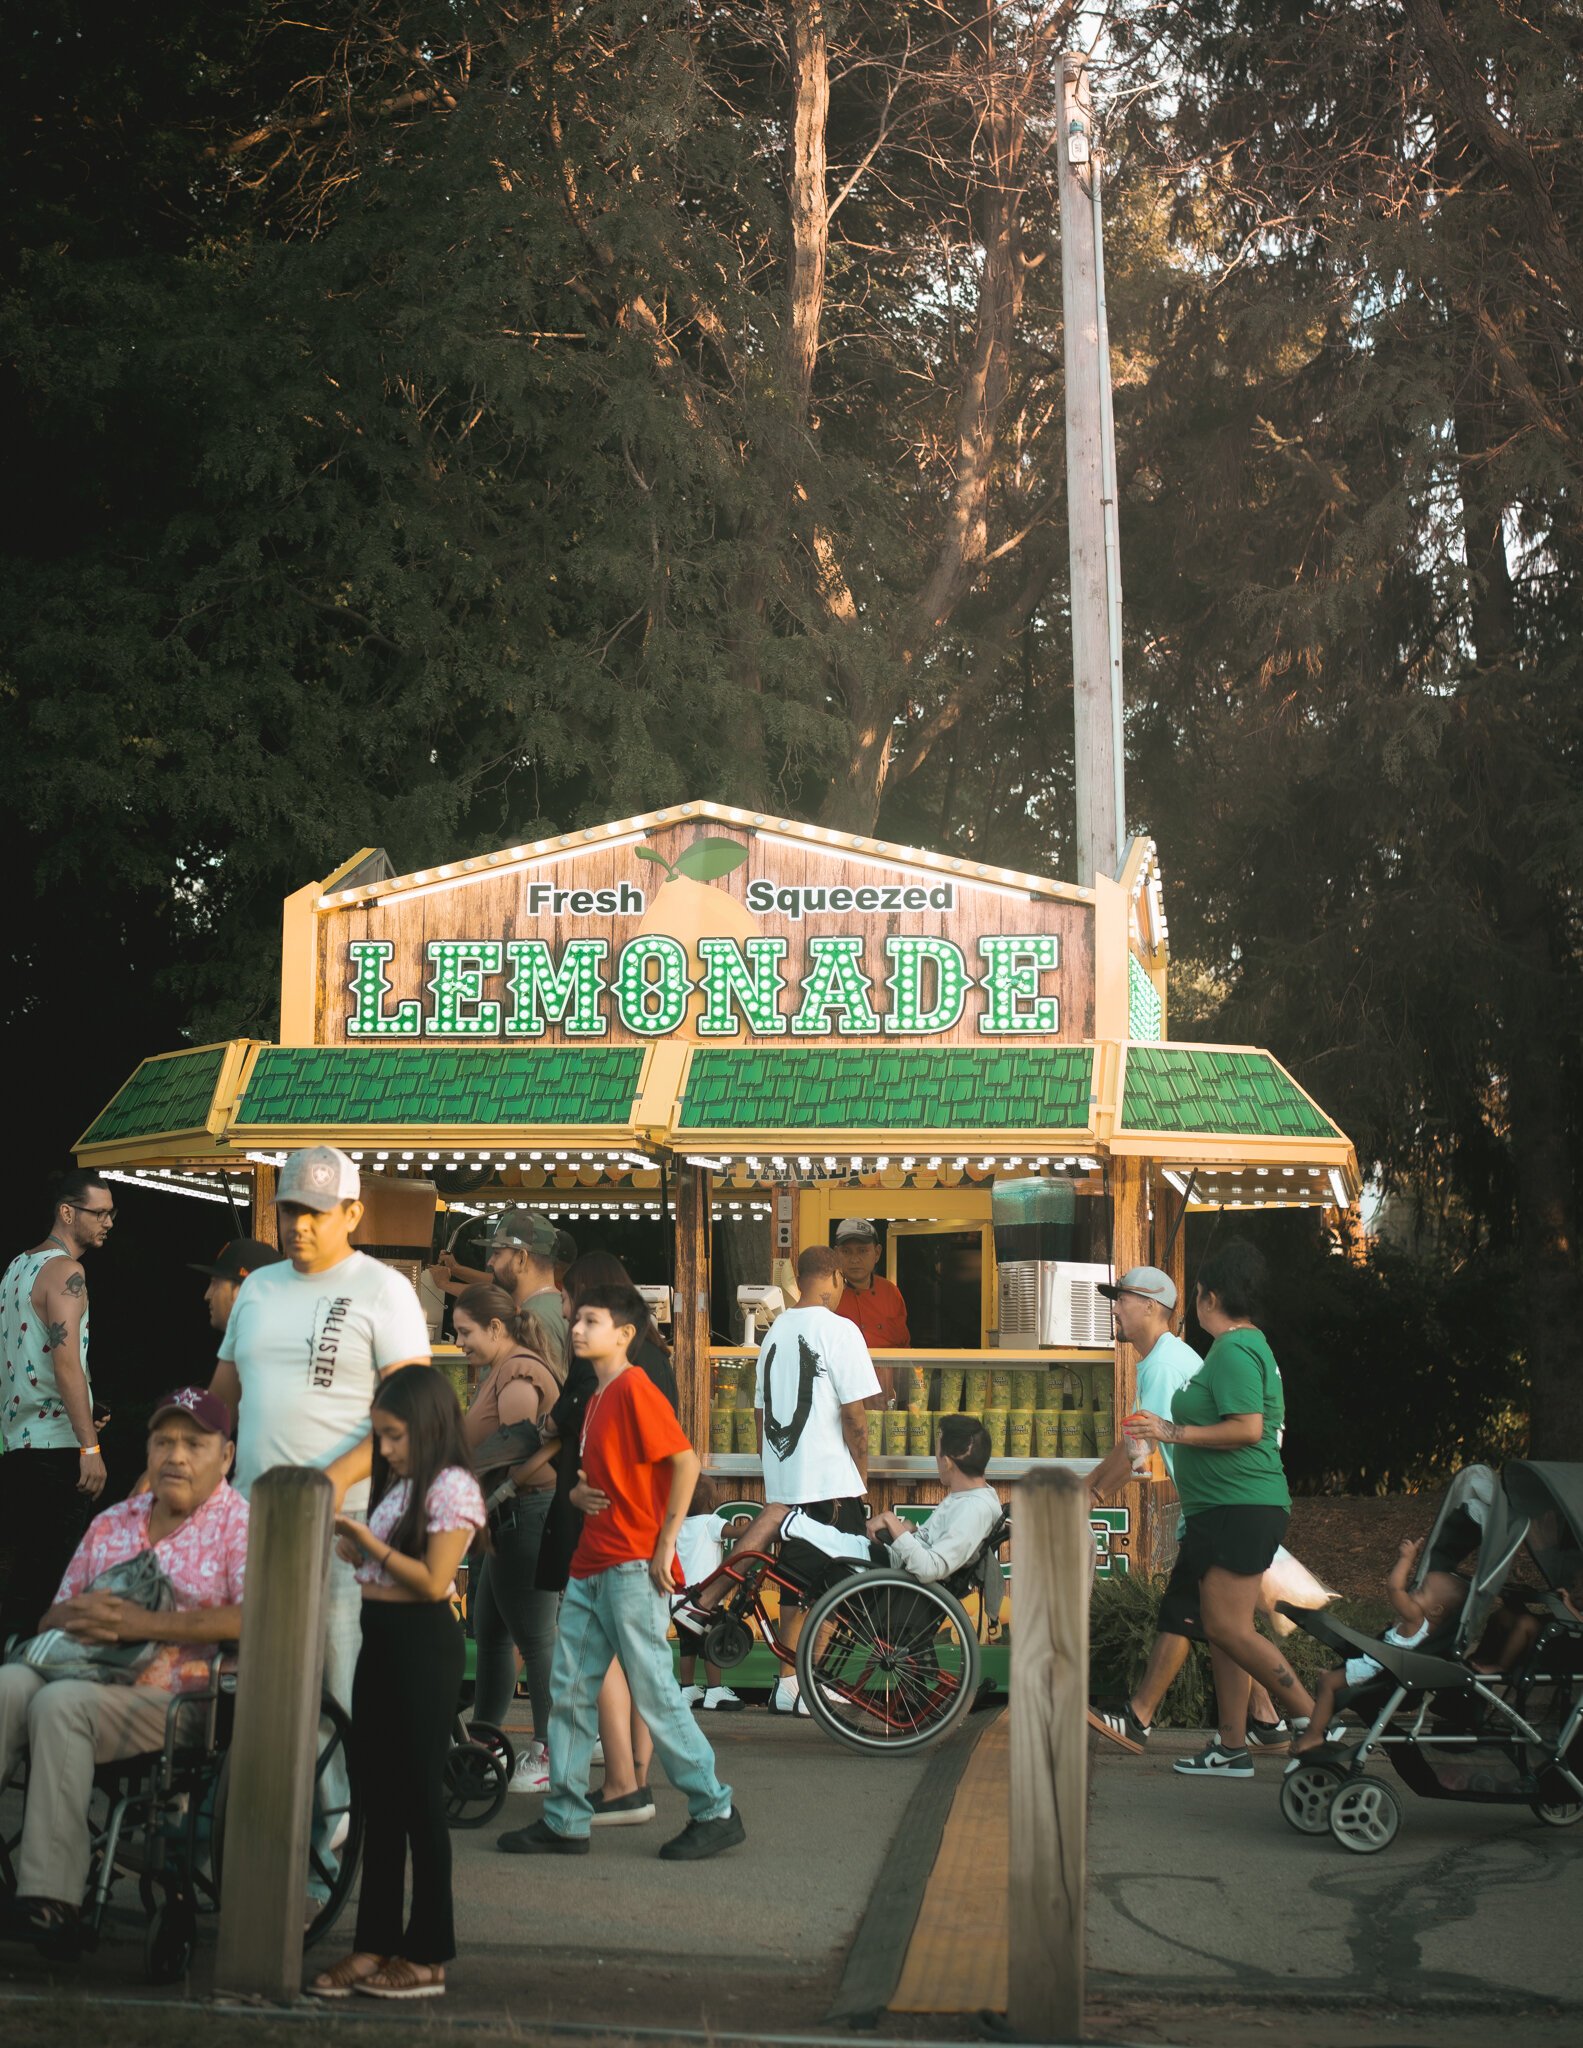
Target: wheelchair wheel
pixel 1364 1816
pixel 476 1783
pixel 171 1937
pixel 338 1808
pixel 888 1663
pixel 1307 1794
pixel 727 1641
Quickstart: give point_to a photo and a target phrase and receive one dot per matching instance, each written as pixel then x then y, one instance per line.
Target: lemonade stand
pixel 704 1036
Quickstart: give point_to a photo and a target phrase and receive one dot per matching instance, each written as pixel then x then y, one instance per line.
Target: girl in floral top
pixel 426 1509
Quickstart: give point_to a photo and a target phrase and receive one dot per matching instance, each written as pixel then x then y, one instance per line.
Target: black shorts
pixel 1243 1540
pixel 810 1567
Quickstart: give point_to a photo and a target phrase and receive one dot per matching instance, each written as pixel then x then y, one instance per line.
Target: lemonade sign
pixel 691 943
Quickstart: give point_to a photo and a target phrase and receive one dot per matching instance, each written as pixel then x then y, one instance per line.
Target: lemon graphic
pixel 688 908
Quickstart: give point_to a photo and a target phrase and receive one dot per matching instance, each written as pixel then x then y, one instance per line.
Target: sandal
pixel 344 1977
pixel 401 1979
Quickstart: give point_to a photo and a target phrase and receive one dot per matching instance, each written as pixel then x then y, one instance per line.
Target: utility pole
pixel 1094 534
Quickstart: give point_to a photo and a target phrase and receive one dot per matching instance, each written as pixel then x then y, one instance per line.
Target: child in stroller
pixel 1448 1729
pixel 1426 1617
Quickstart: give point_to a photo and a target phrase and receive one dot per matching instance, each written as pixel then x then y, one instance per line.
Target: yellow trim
pixel 662 1083
pixel 965 871
pixel 299 965
pixel 1112 912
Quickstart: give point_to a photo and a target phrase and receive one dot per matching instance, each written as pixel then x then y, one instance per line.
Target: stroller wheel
pixel 1364 1816
pixel 1558 1813
pixel 1307 1794
pixel 476 1782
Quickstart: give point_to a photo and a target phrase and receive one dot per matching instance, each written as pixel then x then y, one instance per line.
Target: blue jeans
pixel 617 1613
pixel 343 1639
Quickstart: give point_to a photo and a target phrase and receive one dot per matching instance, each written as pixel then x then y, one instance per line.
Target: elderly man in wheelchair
pixel 151 1596
pixel 888 1658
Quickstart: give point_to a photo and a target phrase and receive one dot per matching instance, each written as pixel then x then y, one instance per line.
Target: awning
pixel 1232 1128
pixel 1227 1125
pixel 174 1106
pixel 873 1098
pixel 456 1096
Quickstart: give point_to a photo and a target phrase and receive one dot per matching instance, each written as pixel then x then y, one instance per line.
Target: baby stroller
pixel 1510 1739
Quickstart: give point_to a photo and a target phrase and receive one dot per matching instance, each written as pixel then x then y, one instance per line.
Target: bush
pixel 1122 1624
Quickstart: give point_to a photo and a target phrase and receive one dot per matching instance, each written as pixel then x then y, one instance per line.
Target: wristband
pixel 87 1450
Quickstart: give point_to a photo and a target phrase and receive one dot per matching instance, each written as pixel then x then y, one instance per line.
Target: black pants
pixel 42 1519
pixel 409 1675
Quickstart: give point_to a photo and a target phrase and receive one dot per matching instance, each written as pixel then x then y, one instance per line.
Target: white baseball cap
pixel 857 1227
pixel 318 1179
pixel 1148 1281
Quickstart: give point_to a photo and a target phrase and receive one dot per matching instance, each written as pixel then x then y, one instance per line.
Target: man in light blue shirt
pixel 1144 1304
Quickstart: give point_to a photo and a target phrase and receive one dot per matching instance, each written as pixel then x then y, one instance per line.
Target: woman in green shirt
pixel 1225 1426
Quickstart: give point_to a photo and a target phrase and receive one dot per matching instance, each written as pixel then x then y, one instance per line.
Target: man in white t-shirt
pixel 308 1342
pixel 811 1388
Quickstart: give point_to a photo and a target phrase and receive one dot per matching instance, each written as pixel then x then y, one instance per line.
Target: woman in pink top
pixel 425 1510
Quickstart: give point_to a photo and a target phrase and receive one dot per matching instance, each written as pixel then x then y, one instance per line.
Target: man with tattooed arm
pixel 54 1470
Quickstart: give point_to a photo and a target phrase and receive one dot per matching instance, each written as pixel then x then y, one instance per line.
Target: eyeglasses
pixel 99 1215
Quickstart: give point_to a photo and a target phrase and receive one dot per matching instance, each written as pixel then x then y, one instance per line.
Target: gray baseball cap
pixel 1148 1281
pixel 524 1230
pixel 856 1227
pixel 318 1179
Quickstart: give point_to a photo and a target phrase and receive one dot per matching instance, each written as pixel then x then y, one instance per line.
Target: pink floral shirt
pixel 454 1502
pixel 204 1557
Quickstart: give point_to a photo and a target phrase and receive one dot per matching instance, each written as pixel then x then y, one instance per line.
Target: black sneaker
pixel 1215 1762
pixel 1119 1718
pixel 538 1838
pixel 1268 1734
pixel 701 1838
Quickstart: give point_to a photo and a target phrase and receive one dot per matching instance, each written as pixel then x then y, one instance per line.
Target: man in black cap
pixel 232 1264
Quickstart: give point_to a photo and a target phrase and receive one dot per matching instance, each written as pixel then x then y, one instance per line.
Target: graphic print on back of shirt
pixel 784 1437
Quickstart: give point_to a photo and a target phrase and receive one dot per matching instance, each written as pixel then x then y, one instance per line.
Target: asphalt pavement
pixel 1210 1919
pixel 1200 1892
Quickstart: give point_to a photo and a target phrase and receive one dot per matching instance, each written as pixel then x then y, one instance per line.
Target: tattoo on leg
pixel 1284 1678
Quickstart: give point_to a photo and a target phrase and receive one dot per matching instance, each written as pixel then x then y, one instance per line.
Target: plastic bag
pixel 55 1654
pixel 1288 1578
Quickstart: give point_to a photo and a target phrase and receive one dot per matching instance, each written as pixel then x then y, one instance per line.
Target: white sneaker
pixel 532 1773
pixel 787 1699
pixel 720 1699
pixel 693 1696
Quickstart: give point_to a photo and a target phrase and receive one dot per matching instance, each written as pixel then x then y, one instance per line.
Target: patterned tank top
pixel 32 1414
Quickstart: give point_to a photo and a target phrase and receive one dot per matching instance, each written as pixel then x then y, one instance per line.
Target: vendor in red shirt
pixel 868 1298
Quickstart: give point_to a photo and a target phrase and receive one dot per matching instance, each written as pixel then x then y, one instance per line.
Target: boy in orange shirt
pixel 635 1477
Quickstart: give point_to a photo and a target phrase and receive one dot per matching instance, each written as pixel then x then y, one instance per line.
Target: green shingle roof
pixel 170 1094
pixel 1212 1094
pixel 872 1088
pixel 421 1084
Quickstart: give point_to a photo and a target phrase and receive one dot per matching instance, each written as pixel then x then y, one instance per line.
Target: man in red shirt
pixel 635 1477
pixel 868 1298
